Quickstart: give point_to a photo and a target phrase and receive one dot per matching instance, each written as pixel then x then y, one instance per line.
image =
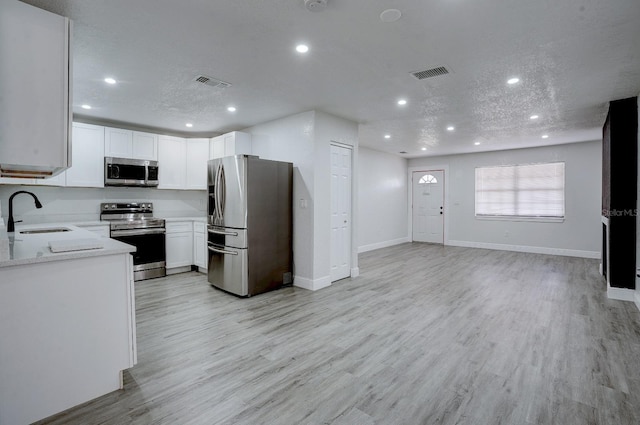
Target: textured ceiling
pixel 572 56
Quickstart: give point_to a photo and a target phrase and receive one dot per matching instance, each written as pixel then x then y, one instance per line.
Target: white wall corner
pixel 621 294
pixel 530 249
pixel 355 271
pixel 384 244
pixel 312 284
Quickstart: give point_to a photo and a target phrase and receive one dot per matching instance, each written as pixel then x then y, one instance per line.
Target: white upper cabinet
pixel 118 142
pixel 35 91
pixel 172 162
pixel 234 143
pixel 87 168
pixel 145 146
pixel 122 143
pixel 197 157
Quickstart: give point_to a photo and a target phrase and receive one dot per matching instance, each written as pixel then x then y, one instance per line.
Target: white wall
pixel 70 204
pixel 304 139
pixel 637 297
pixel 578 235
pixel 292 139
pixel 382 200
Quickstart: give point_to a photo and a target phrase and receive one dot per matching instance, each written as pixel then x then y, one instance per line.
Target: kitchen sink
pixel 48 230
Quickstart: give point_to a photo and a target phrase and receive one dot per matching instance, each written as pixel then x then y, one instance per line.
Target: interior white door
pixel 428 206
pixel 340 212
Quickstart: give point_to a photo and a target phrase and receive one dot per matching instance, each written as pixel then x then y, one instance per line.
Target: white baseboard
pixel 524 248
pixel 637 299
pixel 621 294
pixel 378 245
pixel 355 272
pixel 312 284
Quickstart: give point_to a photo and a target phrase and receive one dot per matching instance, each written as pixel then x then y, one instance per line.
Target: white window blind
pixel 527 191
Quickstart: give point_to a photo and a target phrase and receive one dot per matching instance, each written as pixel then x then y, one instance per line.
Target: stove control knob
pixel 105 207
pixel 113 206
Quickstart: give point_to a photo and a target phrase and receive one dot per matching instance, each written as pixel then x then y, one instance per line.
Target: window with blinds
pixel 521 191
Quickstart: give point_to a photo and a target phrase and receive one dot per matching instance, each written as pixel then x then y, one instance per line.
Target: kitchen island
pixel 67 319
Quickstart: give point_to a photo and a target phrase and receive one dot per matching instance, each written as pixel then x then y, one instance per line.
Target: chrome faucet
pixel 11 224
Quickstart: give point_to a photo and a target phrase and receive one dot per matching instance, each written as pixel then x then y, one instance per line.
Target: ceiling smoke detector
pixel 315 5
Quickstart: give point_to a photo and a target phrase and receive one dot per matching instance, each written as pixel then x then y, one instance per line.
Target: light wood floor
pixel 426 335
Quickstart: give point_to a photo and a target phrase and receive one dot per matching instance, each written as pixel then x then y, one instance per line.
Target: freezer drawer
pixel 228 269
pixel 226 236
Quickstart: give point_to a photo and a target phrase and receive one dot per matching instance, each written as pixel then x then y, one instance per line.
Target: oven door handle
pixel 221 251
pixel 222 232
pixel 137 232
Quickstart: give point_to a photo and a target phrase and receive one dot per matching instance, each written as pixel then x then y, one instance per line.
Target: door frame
pixel 353 264
pixel 445 169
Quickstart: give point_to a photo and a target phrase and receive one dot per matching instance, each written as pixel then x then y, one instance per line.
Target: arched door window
pixel 427 179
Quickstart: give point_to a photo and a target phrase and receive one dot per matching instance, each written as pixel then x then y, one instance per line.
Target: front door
pixel 428 206
pixel 340 212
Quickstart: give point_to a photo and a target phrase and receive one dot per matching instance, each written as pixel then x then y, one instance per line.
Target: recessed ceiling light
pixel 402 102
pixel 387 136
pixel 451 128
pixel 85 106
pixel 423 149
pixel 476 143
pixel 545 136
pixel 189 125
pixel 231 109
pixel 513 80
pixel 534 117
pixel 110 80
pixel 302 48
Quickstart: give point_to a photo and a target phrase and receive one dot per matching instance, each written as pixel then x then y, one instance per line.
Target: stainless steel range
pixel 133 223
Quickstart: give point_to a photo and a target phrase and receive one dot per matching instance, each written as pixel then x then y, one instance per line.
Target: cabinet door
pixel 216 147
pixel 118 142
pixel 145 146
pixel 172 162
pixel 237 143
pixel 179 249
pixel 200 250
pixel 87 169
pixel 197 156
pixel 35 117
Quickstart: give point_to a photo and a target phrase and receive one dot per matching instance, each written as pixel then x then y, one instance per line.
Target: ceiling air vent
pixel 433 72
pixel 402 152
pixel 213 82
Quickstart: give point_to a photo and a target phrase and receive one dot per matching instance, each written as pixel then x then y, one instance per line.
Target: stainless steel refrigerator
pixel 249 224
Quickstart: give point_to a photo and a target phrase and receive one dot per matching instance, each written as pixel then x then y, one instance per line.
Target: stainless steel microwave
pixel 130 172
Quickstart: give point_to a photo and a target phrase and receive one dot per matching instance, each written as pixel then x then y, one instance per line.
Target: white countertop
pixel 20 248
pixel 197 219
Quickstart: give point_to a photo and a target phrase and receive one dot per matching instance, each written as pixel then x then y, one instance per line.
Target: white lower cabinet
pixel 179 244
pixel 200 257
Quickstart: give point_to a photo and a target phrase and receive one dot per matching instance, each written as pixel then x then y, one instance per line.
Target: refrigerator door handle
pixel 222 232
pixel 223 191
pixel 221 251
pixel 217 194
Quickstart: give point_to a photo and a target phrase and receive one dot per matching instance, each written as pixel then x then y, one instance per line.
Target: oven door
pixel 149 260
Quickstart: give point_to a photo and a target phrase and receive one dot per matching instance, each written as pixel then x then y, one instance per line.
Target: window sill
pixel 532 219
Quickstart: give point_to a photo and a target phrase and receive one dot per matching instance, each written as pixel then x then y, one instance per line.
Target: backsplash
pixel 70 204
